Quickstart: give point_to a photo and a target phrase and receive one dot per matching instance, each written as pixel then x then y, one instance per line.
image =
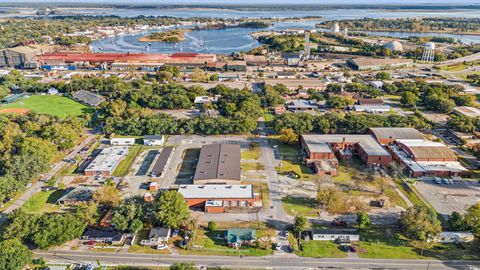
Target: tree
pixel 328 196
pixel 88 211
pixel 409 99
pixel 288 136
pixel 420 222
pixel 212 226
pixel 456 222
pixel 14 255
pixel 472 218
pixel 172 210
pixel 383 76
pixel 363 221
pixel 300 224
pixel 136 225
pixel 183 266
pixel 107 195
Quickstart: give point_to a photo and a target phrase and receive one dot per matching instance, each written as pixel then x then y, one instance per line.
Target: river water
pixel 225 41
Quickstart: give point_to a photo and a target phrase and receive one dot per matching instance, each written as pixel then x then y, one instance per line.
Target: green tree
pixel 212 226
pixel 456 222
pixel 363 221
pixel 88 211
pixel 14 255
pixel 409 99
pixel 419 222
pixel 383 76
pixel 300 224
pixel 107 195
pixel 472 218
pixel 172 210
pixel 136 225
pixel 288 136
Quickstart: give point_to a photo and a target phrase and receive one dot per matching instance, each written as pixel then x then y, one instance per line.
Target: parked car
pixel 437 180
pixel 286 233
pixel 278 246
pixel 339 223
pixel 161 246
pixel 445 180
pixel 28 185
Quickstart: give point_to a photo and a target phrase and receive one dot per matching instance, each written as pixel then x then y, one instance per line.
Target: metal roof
pixel 216 191
pixel 397 133
pixel 218 161
pixel 366 142
pixel 88 98
pixel 108 159
pixel 162 160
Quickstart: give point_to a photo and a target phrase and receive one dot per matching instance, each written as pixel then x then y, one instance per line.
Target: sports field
pixel 54 105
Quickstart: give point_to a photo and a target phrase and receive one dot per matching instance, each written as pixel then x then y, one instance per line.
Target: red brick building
pixel 220 198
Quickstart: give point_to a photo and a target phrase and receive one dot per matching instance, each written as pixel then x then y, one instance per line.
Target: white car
pixel 28 185
pixel 437 180
pixel 162 246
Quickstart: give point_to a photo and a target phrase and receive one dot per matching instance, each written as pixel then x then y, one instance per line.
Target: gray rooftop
pixel 316 143
pixel 397 133
pixel 218 161
pixel 108 159
pixel 78 194
pixel 88 98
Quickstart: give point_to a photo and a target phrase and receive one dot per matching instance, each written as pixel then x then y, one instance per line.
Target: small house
pixel 153 140
pixel 238 237
pixel 105 237
pixel 122 141
pixel 156 237
pixel 454 237
pixel 338 235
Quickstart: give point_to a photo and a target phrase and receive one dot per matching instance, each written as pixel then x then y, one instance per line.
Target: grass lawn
pixel 292 161
pixel 43 202
pixel 54 105
pixel 321 249
pixel 377 243
pixel 300 206
pixel 126 163
pixel 214 243
pixel 252 153
pixel 252 166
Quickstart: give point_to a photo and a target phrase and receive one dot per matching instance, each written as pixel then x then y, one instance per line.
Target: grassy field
pixel 321 249
pixel 125 164
pixel 213 243
pixel 300 206
pixel 252 166
pixel 292 161
pixel 378 243
pixel 252 153
pixel 54 105
pixel 262 188
pixel 43 202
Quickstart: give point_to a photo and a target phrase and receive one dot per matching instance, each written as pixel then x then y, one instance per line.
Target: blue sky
pixel 453 2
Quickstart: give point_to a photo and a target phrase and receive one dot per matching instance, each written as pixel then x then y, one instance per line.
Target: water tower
pixel 429 52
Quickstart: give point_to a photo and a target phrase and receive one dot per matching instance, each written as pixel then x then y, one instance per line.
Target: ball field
pixel 54 105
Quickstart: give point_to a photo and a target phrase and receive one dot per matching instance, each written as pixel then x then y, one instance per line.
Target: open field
pixel 321 249
pixel 54 105
pixel 300 206
pixel 43 202
pixel 252 153
pixel 292 161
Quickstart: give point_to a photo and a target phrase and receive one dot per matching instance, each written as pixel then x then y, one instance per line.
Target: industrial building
pixel 321 151
pixel 378 64
pixel 219 198
pixel 161 163
pixel 107 161
pixel 426 158
pixel 126 61
pixel 390 134
pixel 218 164
pixel 22 56
pixel 467 111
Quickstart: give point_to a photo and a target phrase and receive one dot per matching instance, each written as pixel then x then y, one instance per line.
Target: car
pixel 352 249
pixel 161 246
pixel 450 181
pixel 6 200
pixel 286 233
pixel 90 243
pixel 445 180
pixel 175 233
pixel 437 180
pixel 339 223
pixel 28 185
pixel 278 246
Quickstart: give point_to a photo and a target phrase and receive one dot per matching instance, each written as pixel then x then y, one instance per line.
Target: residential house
pixel 122 141
pixel 104 237
pixel 157 236
pixel 153 140
pixel 337 235
pixel 239 237
pixel 454 237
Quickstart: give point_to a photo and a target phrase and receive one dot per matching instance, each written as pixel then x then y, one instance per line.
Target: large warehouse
pixel 426 158
pixel 126 61
pixel 218 164
pixel 321 150
pixel 390 134
pixel 377 64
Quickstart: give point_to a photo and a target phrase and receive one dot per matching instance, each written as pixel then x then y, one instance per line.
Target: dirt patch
pixel 15 110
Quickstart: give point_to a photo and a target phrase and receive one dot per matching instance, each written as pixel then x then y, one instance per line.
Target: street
pixel 275 262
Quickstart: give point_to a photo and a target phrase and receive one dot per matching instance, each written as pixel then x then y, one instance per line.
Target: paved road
pixel 275 262
pixel 469 58
pixel 53 171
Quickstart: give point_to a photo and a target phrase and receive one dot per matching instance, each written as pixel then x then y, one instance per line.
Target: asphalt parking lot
pixel 447 198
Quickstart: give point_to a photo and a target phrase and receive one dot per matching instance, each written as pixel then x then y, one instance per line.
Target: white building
pixel 344 235
pixel 372 108
pixel 153 140
pixel 122 141
pixel 454 237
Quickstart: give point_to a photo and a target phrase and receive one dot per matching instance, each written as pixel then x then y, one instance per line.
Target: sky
pixel 196 2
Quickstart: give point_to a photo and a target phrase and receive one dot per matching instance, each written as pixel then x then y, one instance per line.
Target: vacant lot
pixel 54 105
pixel 124 166
pixel 43 202
pixel 321 249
